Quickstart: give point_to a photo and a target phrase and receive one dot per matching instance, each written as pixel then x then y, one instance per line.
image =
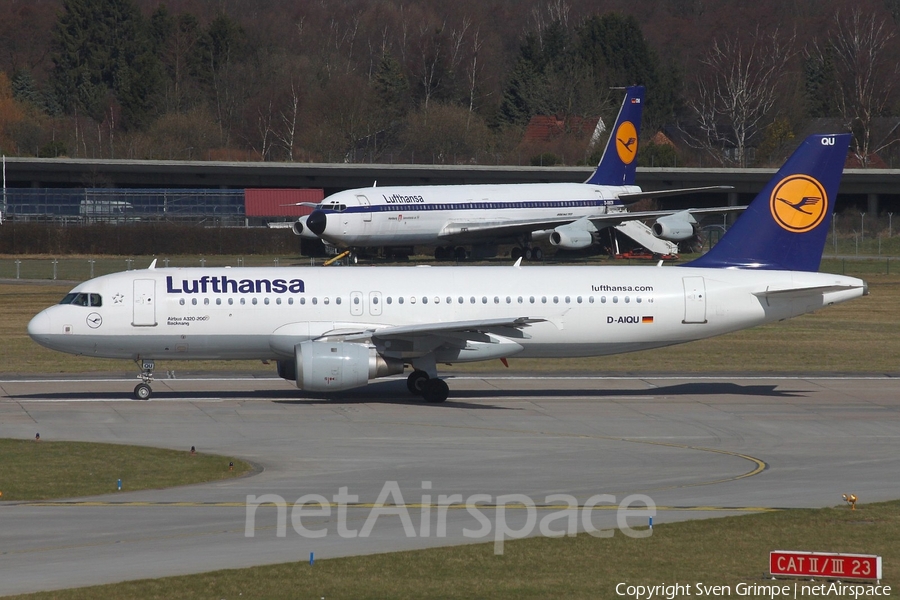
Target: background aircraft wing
pixel 629 198
pixel 460 231
pixel 614 218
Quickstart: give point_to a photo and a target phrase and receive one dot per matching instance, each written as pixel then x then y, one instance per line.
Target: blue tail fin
pixel 786 224
pixel 619 161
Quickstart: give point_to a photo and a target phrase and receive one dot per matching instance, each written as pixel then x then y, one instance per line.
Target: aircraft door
pixel 144 314
pixel 356 304
pixel 367 207
pixel 375 303
pixel 694 300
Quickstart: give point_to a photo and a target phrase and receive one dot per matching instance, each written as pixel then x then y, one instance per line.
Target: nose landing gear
pixel 142 390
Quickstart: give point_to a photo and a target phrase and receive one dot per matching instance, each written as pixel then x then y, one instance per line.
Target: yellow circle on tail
pixel 626 142
pixel 798 203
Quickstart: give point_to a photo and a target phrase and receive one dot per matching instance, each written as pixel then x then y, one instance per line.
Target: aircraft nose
pixel 39 326
pixel 316 222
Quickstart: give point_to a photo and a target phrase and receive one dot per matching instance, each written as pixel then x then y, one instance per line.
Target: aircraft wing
pixel 459 231
pixel 629 198
pixel 462 230
pixel 409 341
pixel 477 329
pixel 614 218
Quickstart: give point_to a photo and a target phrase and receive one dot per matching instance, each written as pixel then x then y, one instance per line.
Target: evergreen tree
pixel 819 81
pixel 100 53
pixel 613 49
pixel 391 87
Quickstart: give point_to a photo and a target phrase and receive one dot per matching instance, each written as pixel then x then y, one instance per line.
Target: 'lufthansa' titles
pixel 401 199
pixel 225 285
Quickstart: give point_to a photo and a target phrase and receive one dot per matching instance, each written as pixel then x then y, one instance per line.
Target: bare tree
pixel 736 92
pixel 288 133
pixel 474 69
pixel 862 78
pixel 265 130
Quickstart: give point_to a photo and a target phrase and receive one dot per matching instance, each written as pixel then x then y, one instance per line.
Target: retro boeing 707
pixel 571 215
pixel 335 329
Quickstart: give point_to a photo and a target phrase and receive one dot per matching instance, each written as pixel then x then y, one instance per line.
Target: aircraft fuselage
pixel 262 313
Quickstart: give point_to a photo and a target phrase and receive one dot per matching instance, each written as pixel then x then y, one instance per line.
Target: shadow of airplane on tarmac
pixel 395 392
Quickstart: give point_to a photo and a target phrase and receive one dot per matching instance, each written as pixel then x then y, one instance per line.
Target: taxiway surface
pixel 697 447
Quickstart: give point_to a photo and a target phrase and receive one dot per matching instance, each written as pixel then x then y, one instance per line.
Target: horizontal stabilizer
pixel 803 291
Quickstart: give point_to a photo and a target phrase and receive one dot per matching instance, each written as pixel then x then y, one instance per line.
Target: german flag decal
pixel 646 319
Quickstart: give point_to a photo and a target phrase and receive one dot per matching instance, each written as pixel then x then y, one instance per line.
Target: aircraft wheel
pixel 142 391
pixel 537 254
pixel 460 253
pixel 529 253
pixel 415 383
pixel 515 253
pixel 435 390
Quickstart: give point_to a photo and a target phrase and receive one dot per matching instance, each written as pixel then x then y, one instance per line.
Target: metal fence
pixel 74 206
pixel 82 269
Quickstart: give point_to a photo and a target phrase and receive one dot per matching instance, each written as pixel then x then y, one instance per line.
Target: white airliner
pixel 335 329
pixel 570 214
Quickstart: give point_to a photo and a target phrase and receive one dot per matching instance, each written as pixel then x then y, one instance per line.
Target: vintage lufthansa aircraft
pixel 335 329
pixel 448 217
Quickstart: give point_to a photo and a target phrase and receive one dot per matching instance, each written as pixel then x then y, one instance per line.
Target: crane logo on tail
pixel 626 142
pixel 799 203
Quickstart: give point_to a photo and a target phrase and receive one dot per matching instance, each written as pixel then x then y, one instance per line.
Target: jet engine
pixel 571 237
pixel 336 366
pixel 675 228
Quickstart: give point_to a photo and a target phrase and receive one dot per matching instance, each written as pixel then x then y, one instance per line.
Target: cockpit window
pixel 335 207
pixel 83 299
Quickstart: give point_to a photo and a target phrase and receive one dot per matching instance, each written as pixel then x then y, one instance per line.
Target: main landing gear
pixel 142 390
pixel 450 253
pixel 528 253
pixel 431 389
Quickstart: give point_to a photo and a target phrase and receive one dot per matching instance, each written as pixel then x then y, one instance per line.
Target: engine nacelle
pixel 571 238
pixel 675 228
pixel 336 366
pixel 297 228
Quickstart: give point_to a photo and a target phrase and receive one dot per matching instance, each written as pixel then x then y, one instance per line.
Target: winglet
pixel 786 225
pixel 619 161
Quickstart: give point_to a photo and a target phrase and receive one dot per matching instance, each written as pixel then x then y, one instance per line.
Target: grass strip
pixel 32 470
pixel 726 551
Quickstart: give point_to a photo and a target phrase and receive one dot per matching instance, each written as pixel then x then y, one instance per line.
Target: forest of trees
pixel 729 82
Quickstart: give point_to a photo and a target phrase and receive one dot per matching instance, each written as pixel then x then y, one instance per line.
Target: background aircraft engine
pixel 335 366
pixel 571 238
pixel 674 228
pixel 297 228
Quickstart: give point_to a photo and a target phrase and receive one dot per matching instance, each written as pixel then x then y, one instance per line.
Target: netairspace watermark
pixel 566 517
pixel 796 589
